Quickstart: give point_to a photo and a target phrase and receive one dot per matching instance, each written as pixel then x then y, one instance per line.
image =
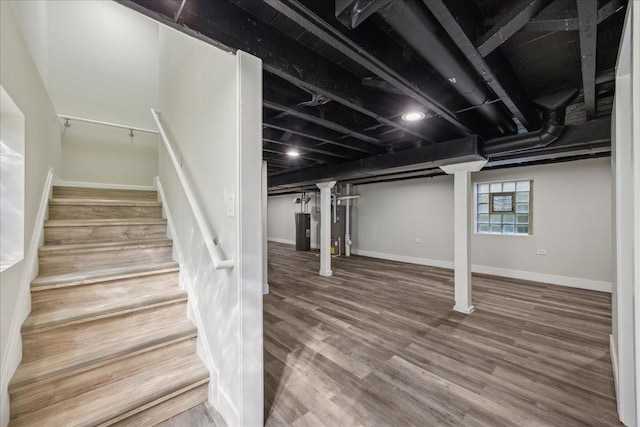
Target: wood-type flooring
pixel 378 344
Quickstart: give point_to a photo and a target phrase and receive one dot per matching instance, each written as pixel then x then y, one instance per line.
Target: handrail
pixel 210 240
pixel 113 125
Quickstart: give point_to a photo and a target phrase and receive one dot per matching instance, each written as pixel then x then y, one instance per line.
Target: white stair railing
pixel 211 241
pixel 131 129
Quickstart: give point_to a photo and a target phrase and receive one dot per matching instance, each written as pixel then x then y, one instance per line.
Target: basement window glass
pixel 504 207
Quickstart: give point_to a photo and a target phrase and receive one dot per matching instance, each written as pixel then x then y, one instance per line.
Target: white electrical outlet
pixel 418 240
pixel 541 252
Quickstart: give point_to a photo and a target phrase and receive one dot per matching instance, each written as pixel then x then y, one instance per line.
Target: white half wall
pixel 203 91
pixel 20 78
pixel 412 221
pixel 626 222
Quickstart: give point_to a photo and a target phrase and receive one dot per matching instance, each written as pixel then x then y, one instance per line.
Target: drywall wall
pixel 389 217
pixel 203 91
pixel 108 156
pixel 571 220
pixel 281 212
pixel 626 225
pixel 21 80
pixel 412 221
pixel 99 60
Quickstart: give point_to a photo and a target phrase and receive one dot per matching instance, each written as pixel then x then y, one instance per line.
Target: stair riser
pixel 77 261
pixel 103 193
pixel 83 211
pixel 104 233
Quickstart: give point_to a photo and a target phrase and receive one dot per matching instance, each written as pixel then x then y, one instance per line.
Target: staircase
pixel 108 341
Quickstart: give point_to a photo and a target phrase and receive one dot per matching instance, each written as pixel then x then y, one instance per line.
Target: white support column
pixel 462 231
pixel 325 227
pixel 265 251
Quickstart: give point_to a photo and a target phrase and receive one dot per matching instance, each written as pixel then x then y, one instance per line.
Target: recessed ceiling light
pixel 413 116
pixel 293 153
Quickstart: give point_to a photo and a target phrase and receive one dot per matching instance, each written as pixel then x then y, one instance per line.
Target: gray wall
pixel 571 214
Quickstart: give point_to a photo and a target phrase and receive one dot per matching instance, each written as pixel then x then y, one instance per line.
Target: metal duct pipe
pixel 423 34
pixel 554 109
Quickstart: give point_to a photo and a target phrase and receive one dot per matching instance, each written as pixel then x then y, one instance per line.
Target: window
pixel 12 178
pixel 504 207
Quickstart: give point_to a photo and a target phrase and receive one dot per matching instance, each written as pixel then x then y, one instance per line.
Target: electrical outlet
pixel 541 252
pixel 418 240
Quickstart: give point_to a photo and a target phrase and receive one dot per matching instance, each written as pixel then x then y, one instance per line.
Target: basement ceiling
pixel 517 82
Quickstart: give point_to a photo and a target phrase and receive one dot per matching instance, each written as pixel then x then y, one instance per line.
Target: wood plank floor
pixel 378 344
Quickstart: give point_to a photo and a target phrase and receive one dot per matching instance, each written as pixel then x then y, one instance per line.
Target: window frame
pixel 515 213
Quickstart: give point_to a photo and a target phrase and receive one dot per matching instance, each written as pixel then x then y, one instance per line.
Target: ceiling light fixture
pixel 413 116
pixel 293 153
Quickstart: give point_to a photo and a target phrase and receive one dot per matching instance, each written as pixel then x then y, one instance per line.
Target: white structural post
pixel 265 265
pixel 325 227
pixel 462 231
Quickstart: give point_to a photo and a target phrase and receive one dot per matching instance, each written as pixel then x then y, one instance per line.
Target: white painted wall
pixel 626 221
pixel 99 60
pixel 572 216
pixel 203 90
pixel 20 78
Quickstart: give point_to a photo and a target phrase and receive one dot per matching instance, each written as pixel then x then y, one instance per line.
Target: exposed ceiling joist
pixel 321 122
pixel 518 15
pixel 275 148
pixel 588 29
pixel 318 133
pixel 430 156
pixel 571 24
pixel 507 88
pixel 308 147
pixel 299 14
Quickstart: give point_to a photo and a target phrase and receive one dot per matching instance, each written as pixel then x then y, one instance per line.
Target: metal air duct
pixel 554 109
pixel 425 36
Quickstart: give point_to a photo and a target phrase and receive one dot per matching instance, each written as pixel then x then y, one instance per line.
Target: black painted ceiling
pixel 335 88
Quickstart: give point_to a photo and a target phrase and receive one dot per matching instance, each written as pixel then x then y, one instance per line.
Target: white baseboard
pixel 572 282
pixel 278 240
pixel 614 363
pixel 82 184
pixel 402 258
pixel 290 242
pixel 265 289
pixel 229 411
pixel 13 351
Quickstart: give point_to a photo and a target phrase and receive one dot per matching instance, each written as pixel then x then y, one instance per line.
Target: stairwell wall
pixel 99 60
pixel 215 128
pixel 20 78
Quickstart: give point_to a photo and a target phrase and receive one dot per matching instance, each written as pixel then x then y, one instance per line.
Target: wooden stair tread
pixel 72 304
pixel 112 392
pixel 66 349
pixel 102 222
pixel 100 275
pixel 102 246
pixel 112 193
pixel 103 202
